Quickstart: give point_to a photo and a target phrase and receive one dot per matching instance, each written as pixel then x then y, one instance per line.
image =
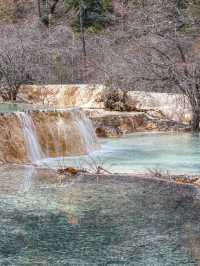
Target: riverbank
pixel 46 176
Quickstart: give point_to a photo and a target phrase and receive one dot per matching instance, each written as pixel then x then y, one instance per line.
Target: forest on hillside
pixel 128 44
pixel 118 36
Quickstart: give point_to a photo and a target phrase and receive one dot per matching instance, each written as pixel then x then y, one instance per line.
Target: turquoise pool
pixel 141 152
pixel 108 220
pixel 13 107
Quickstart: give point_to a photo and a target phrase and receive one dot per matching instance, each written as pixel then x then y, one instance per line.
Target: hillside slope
pixel 56 52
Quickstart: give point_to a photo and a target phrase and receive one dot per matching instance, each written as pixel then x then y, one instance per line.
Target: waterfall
pixel 57 133
pixel 86 129
pixel 33 147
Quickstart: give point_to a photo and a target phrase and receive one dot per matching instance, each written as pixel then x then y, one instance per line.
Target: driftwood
pixel 179 179
pixel 70 171
pixel 185 179
pixel 73 171
pixel 101 169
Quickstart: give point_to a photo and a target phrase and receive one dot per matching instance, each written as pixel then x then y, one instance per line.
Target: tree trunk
pixel 39 9
pixel 53 7
pixel 195 121
pixel 82 28
pixel 9 94
pixel 5 97
pixel 14 96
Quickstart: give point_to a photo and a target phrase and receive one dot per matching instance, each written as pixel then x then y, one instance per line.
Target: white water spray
pixel 34 150
pixel 86 129
pixel 59 134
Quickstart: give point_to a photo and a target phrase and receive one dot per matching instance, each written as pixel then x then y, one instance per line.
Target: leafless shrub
pixel 124 54
pixel 158 55
pixel 118 100
pixel 13 11
pixel 95 165
pixel 160 173
pixel 14 71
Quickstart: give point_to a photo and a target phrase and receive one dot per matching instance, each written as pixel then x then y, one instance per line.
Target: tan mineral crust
pixel 57 134
pixel 57 130
pixel 173 106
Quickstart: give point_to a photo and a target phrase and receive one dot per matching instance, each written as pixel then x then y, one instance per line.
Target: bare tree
pixel 46 8
pixel 124 54
pixel 82 27
pixel 157 55
pixel 178 70
pixel 14 72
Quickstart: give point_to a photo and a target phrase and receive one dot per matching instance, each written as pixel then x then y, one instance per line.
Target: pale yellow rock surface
pixel 172 106
pixel 115 124
pixel 12 144
pixel 57 131
pixel 64 95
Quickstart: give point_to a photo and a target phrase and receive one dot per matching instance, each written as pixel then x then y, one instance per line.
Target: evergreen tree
pixel 94 12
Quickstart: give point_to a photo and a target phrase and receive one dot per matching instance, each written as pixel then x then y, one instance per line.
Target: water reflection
pixel 27 182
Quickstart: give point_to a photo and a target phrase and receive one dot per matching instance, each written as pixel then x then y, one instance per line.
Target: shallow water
pixel 14 107
pixel 141 152
pixel 23 107
pixel 104 221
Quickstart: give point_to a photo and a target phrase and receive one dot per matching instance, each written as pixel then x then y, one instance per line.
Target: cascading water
pixel 33 147
pixel 57 133
pixel 84 125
